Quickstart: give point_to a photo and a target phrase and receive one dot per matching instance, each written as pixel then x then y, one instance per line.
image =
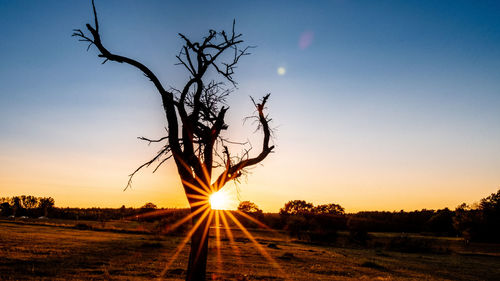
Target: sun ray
pixel 217 241
pixel 186 166
pixel 186 218
pixel 220 185
pixel 229 234
pixel 260 223
pixel 204 185
pixel 183 242
pixel 262 251
pixel 253 219
pixel 153 213
pixel 207 176
pixel 197 196
pixel 205 233
pixel 202 191
pixel 199 203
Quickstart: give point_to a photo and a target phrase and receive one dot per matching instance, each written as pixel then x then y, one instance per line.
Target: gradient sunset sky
pixel 377 105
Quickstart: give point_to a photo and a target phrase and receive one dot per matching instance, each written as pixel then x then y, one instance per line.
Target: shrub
pixel 410 245
pixel 83 226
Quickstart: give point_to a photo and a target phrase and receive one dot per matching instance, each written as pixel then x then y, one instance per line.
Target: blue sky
pixel 393 104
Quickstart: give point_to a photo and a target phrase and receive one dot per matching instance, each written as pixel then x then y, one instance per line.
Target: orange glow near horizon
pixel 355 184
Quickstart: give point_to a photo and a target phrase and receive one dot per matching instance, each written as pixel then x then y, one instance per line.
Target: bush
pixel 296 225
pixel 371 264
pixel 83 226
pixel 314 228
pixel 360 237
pixel 406 244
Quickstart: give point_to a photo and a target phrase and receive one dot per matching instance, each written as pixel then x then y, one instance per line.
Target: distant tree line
pixel 306 221
pixel 480 222
pixel 26 205
pixel 35 207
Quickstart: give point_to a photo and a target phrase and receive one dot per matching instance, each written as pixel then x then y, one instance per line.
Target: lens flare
pixel 281 70
pixel 306 39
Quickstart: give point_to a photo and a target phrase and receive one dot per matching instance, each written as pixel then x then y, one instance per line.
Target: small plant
pixel 83 226
pixel 374 265
pixel 407 244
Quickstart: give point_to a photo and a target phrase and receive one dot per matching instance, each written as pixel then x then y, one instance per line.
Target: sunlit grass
pixel 214 209
pixel 259 247
pixel 184 242
pixel 213 205
pixel 57 253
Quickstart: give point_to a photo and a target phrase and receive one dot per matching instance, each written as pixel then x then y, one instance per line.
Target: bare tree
pixel 195 118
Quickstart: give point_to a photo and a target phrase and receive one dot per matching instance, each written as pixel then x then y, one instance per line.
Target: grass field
pixel 58 252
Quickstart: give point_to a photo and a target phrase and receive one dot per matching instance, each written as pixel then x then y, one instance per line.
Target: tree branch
pixel 167 97
pixel 151 141
pixel 234 171
pixel 164 151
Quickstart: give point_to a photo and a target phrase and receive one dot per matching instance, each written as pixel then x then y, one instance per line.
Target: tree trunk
pixel 197 265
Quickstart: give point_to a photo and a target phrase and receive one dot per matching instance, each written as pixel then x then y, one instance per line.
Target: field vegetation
pixel 304 242
pixel 30 251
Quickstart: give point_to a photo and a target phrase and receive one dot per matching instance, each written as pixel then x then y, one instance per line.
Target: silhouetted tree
pixel 248 207
pixel 491 203
pixel 29 202
pixel 466 221
pixel 481 223
pixel 331 209
pixel 489 208
pixel 441 222
pixel 312 223
pixel 195 116
pixel 16 204
pixel 149 206
pixel 45 204
pixel 295 207
pixel 5 209
pixel 123 209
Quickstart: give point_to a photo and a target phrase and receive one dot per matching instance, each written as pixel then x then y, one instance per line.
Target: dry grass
pixel 36 252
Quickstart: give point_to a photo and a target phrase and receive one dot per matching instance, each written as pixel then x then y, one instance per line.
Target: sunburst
pixel 215 212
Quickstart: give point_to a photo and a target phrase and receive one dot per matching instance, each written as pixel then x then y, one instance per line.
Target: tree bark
pixel 197 265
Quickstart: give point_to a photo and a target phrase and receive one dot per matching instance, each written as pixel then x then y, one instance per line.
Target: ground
pixel 59 252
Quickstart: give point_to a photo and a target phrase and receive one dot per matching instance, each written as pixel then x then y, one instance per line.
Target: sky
pixel 376 105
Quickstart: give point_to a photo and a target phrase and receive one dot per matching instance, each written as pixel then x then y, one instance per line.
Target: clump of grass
pixel 272 246
pixel 152 245
pixel 382 254
pixel 407 244
pixel 83 226
pixel 287 256
pixel 374 265
pixel 176 271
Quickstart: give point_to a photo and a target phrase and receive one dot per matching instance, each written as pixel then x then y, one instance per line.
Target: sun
pixel 219 200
